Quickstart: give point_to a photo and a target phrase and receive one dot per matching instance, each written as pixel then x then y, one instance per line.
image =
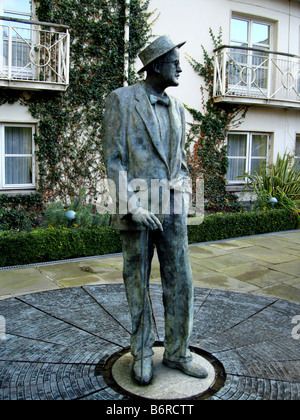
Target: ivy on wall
pixel 68 142
pixel 206 148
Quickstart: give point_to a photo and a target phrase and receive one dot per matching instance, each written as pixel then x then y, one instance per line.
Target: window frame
pixel 22 72
pixel 16 12
pixel 247 82
pixel 253 20
pixel 248 158
pixel 3 186
pixel 297 156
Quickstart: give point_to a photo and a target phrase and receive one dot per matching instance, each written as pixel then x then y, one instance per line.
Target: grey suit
pixel 133 145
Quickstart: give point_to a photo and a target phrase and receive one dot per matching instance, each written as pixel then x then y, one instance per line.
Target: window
pixel 16 39
pixel 249 69
pixel 297 151
pixel 17 156
pixel 246 153
pixel 16 8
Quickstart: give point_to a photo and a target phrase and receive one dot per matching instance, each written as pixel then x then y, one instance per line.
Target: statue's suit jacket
pixel 133 145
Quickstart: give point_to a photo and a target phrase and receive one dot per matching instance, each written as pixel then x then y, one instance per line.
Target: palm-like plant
pixel 280 180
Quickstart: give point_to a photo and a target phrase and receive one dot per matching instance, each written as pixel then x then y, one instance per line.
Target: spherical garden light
pixel 70 215
pixel 273 201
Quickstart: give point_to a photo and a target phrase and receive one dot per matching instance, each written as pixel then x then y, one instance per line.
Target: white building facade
pixel 33 57
pixel 259 65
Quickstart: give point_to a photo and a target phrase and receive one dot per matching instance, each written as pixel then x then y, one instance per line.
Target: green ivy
pixel 69 139
pixel 20 212
pixel 207 152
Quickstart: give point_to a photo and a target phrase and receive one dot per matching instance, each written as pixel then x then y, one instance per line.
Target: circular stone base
pixel 166 383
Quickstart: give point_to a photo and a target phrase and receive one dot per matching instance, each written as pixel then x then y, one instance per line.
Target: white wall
pixel 282 124
pixel 190 20
pixel 15 113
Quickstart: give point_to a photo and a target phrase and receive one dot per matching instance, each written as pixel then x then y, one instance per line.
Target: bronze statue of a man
pixel 144 141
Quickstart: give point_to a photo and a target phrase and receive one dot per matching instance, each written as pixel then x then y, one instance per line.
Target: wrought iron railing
pixel 33 55
pixel 256 74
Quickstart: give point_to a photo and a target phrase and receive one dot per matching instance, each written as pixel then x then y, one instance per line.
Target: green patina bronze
pixel 145 139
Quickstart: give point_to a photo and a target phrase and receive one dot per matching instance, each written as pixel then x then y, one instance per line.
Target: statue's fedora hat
pixel 159 47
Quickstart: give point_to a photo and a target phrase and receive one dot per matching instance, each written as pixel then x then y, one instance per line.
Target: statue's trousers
pixel 177 284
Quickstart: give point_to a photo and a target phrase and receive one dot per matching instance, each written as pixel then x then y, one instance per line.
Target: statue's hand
pixel 147 219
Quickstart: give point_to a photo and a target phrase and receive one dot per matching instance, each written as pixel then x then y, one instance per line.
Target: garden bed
pixel 53 244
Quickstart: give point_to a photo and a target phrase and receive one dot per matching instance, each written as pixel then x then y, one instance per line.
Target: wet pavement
pixel 64 325
pixel 264 264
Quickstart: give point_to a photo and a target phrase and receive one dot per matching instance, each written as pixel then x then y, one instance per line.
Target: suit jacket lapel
pixel 175 132
pixel 145 109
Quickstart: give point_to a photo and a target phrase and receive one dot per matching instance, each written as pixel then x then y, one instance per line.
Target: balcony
pixel 254 76
pixel 33 55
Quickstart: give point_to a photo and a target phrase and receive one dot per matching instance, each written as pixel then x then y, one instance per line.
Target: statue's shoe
pixel 189 368
pixel 142 371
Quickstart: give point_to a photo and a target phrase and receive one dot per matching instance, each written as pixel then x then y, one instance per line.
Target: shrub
pixel 55 216
pixel 233 225
pixel 15 220
pixel 20 212
pixel 51 244
pixel 280 180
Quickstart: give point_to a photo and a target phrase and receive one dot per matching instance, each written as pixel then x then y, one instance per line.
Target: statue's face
pixel 170 68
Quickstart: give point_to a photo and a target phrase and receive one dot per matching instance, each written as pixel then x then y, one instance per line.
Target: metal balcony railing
pixel 256 76
pixel 33 55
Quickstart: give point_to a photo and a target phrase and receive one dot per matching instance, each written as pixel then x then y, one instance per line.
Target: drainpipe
pixel 126 41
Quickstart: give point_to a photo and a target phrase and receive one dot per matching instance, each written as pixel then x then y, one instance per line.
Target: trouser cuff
pixel 147 353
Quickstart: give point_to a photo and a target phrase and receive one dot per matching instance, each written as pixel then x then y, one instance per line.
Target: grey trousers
pixel 177 285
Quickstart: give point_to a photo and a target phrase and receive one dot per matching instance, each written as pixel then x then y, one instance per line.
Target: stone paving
pixel 264 264
pixel 63 322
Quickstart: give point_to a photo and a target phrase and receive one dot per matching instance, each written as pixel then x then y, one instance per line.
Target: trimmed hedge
pixel 41 245
pixel 234 225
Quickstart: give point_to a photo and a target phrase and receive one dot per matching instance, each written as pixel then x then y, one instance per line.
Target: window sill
pixel 232 187
pixel 19 191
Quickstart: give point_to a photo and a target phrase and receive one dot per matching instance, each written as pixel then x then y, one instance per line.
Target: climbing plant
pixel 69 138
pixel 206 146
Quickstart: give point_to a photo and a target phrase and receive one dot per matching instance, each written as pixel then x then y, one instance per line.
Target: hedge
pixel 233 225
pixel 42 245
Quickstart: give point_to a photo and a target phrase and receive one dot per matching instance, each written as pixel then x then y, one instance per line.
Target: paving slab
pixel 231 244
pixel 206 251
pixel 86 280
pixel 292 268
pixel 221 281
pixel 225 261
pixel 271 242
pixel 273 256
pixel 283 291
pixel 65 270
pixel 289 236
pixel 242 264
pixel 28 280
pixel 258 275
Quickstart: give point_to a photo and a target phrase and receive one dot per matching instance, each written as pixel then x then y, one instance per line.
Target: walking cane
pixel 144 285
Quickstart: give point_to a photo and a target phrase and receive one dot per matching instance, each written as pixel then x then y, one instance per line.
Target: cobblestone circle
pixel 57 342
